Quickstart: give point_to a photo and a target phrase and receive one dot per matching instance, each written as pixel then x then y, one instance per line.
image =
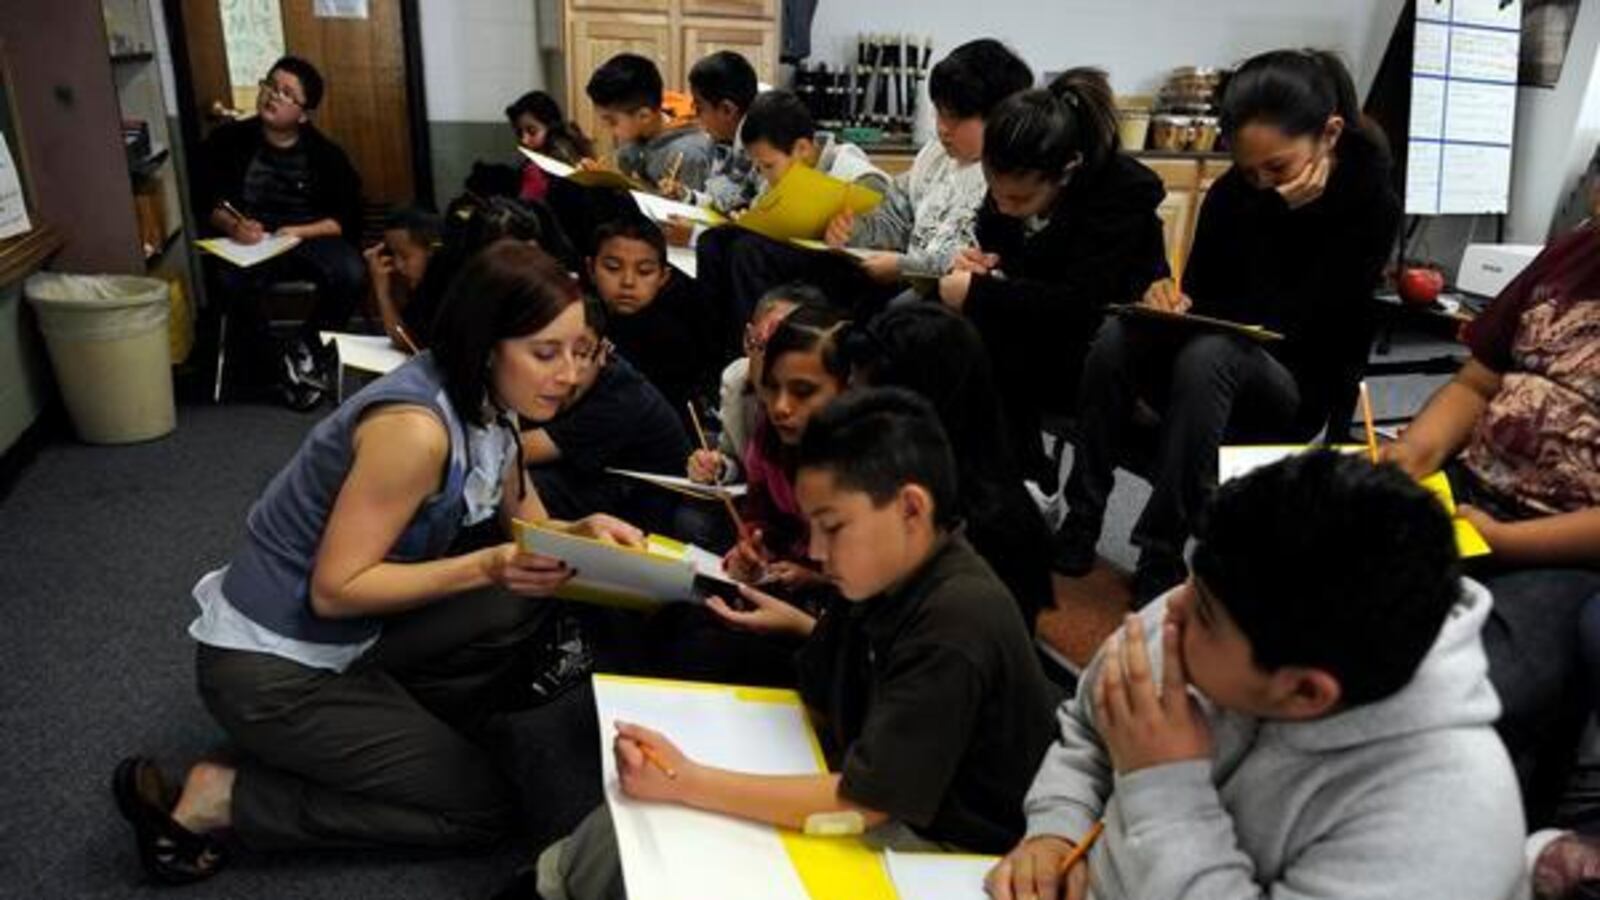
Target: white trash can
pixel 108 342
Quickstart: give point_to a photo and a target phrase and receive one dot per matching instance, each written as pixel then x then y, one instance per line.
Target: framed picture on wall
pixel 15 196
pixel 1546 32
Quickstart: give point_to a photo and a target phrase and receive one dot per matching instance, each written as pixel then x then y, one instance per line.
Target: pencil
pixel 727 502
pixel 1082 850
pixel 1366 415
pixel 654 758
pixel 228 208
pixel 672 170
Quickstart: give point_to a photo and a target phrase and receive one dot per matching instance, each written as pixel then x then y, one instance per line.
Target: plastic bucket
pixel 109 345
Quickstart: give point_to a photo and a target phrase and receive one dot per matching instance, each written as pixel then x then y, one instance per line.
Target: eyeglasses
pixel 272 91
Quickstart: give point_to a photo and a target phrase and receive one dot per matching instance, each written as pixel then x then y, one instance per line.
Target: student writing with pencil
pixel 1309 715
pixel 932 706
pixel 1516 432
pixel 1068 227
pixel 1292 238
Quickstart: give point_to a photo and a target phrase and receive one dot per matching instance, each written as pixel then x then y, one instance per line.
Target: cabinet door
pixel 757 42
pixel 1181 177
pixel 645 6
pixel 594 38
pixel 744 9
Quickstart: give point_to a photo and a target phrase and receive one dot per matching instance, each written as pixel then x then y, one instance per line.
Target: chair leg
pixel 222 356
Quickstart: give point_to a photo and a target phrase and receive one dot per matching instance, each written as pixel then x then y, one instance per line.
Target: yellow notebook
pixel 802 203
pixel 1237 460
pixel 671 852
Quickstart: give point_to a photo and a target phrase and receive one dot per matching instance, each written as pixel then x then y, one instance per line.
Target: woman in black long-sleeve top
pixel 1293 237
pixel 1069 226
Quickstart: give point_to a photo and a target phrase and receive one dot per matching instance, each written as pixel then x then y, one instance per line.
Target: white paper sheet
pixel 670 852
pixel 366 352
pixel 673 482
pixel 246 255
pixel 13 209
pixel 1241 459
pixel 550 164
pixel 683 259
pixel 939 876
pixel 661 209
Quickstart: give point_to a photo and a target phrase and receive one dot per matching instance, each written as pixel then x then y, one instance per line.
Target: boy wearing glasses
pixel 276 174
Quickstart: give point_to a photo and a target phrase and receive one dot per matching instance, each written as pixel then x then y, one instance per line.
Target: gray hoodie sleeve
pixel 889 226
pixel 1179 842
pixel 1068 794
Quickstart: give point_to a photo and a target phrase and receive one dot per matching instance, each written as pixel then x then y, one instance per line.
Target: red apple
pixel 1420 286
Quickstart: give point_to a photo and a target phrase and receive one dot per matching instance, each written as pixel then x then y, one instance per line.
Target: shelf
pixel 21 255
pixel 137 56
pixel 147 166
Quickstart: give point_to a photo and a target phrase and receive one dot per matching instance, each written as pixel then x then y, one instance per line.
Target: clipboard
pixel 802 203
pixel 246 255
pixel 1194 322
pixel 711 492
pixel 664 571
pixel 1236 460
pixel 671 852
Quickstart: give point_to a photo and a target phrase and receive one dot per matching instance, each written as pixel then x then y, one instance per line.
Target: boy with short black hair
pixel 933 700
pixel 627 96
pixel 723 86
pixel 930 212
pixel 276 174
pixel 615 419
pixel 1308 715
pixel 654 315
pixel 735 265
pixel 398 267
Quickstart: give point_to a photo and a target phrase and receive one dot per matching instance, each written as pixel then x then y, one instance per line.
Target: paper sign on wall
pixel 13 206
pixel 1463 106
pixel 339 9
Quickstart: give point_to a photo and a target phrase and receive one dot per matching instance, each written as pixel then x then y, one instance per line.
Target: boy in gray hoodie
pixel 1308 716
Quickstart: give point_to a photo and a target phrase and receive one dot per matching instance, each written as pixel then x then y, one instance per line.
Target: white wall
pixel 1556 134
pixel 477 56
pixel 1137 41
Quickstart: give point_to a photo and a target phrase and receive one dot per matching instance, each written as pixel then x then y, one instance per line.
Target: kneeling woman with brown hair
pixel 349 647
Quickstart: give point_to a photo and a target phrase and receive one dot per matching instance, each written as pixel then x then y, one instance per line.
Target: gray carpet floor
pixel 99 547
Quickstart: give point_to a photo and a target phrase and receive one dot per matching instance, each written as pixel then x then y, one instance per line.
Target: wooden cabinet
pixel 1187 179
pixel 738 9
pixel 674 33
pixel 755 41
pixel 591 40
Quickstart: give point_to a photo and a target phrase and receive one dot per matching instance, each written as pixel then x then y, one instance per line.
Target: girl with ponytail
pixel 1293 237
pixel 1068 226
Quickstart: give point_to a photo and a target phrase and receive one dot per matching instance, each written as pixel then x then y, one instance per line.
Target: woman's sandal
pixel 169 852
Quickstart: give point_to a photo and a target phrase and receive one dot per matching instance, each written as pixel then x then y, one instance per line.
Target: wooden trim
pixel 26 253
pixel 416 103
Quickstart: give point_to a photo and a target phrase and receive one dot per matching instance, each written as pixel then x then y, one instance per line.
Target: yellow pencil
pixel 1366 415
pixel 1082 850
pixel 672 170
pixel 654 758
pixel 727 502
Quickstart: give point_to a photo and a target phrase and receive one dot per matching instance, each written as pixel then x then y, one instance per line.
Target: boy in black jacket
pixel 1069 226
pixel 276 174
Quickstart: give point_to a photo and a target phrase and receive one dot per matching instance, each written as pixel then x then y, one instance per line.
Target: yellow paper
pixel 802 203
pixel 1238 460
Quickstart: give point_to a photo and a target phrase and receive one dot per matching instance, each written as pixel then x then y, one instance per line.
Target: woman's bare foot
pixel 206 803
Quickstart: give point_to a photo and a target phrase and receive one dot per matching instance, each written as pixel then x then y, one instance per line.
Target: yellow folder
pixel 802 203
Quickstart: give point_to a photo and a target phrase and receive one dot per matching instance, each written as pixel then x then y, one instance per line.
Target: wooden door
pixel 365 109
pixel 744 9
pixel 647 6
pixel 593 39
pixel 755 41
pixel 363 62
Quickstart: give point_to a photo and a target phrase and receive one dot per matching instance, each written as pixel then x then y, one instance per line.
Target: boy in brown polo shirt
pixel 931 702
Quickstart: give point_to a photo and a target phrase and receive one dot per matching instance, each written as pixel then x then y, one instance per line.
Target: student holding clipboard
pixel 1292 238
pixel 356 640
